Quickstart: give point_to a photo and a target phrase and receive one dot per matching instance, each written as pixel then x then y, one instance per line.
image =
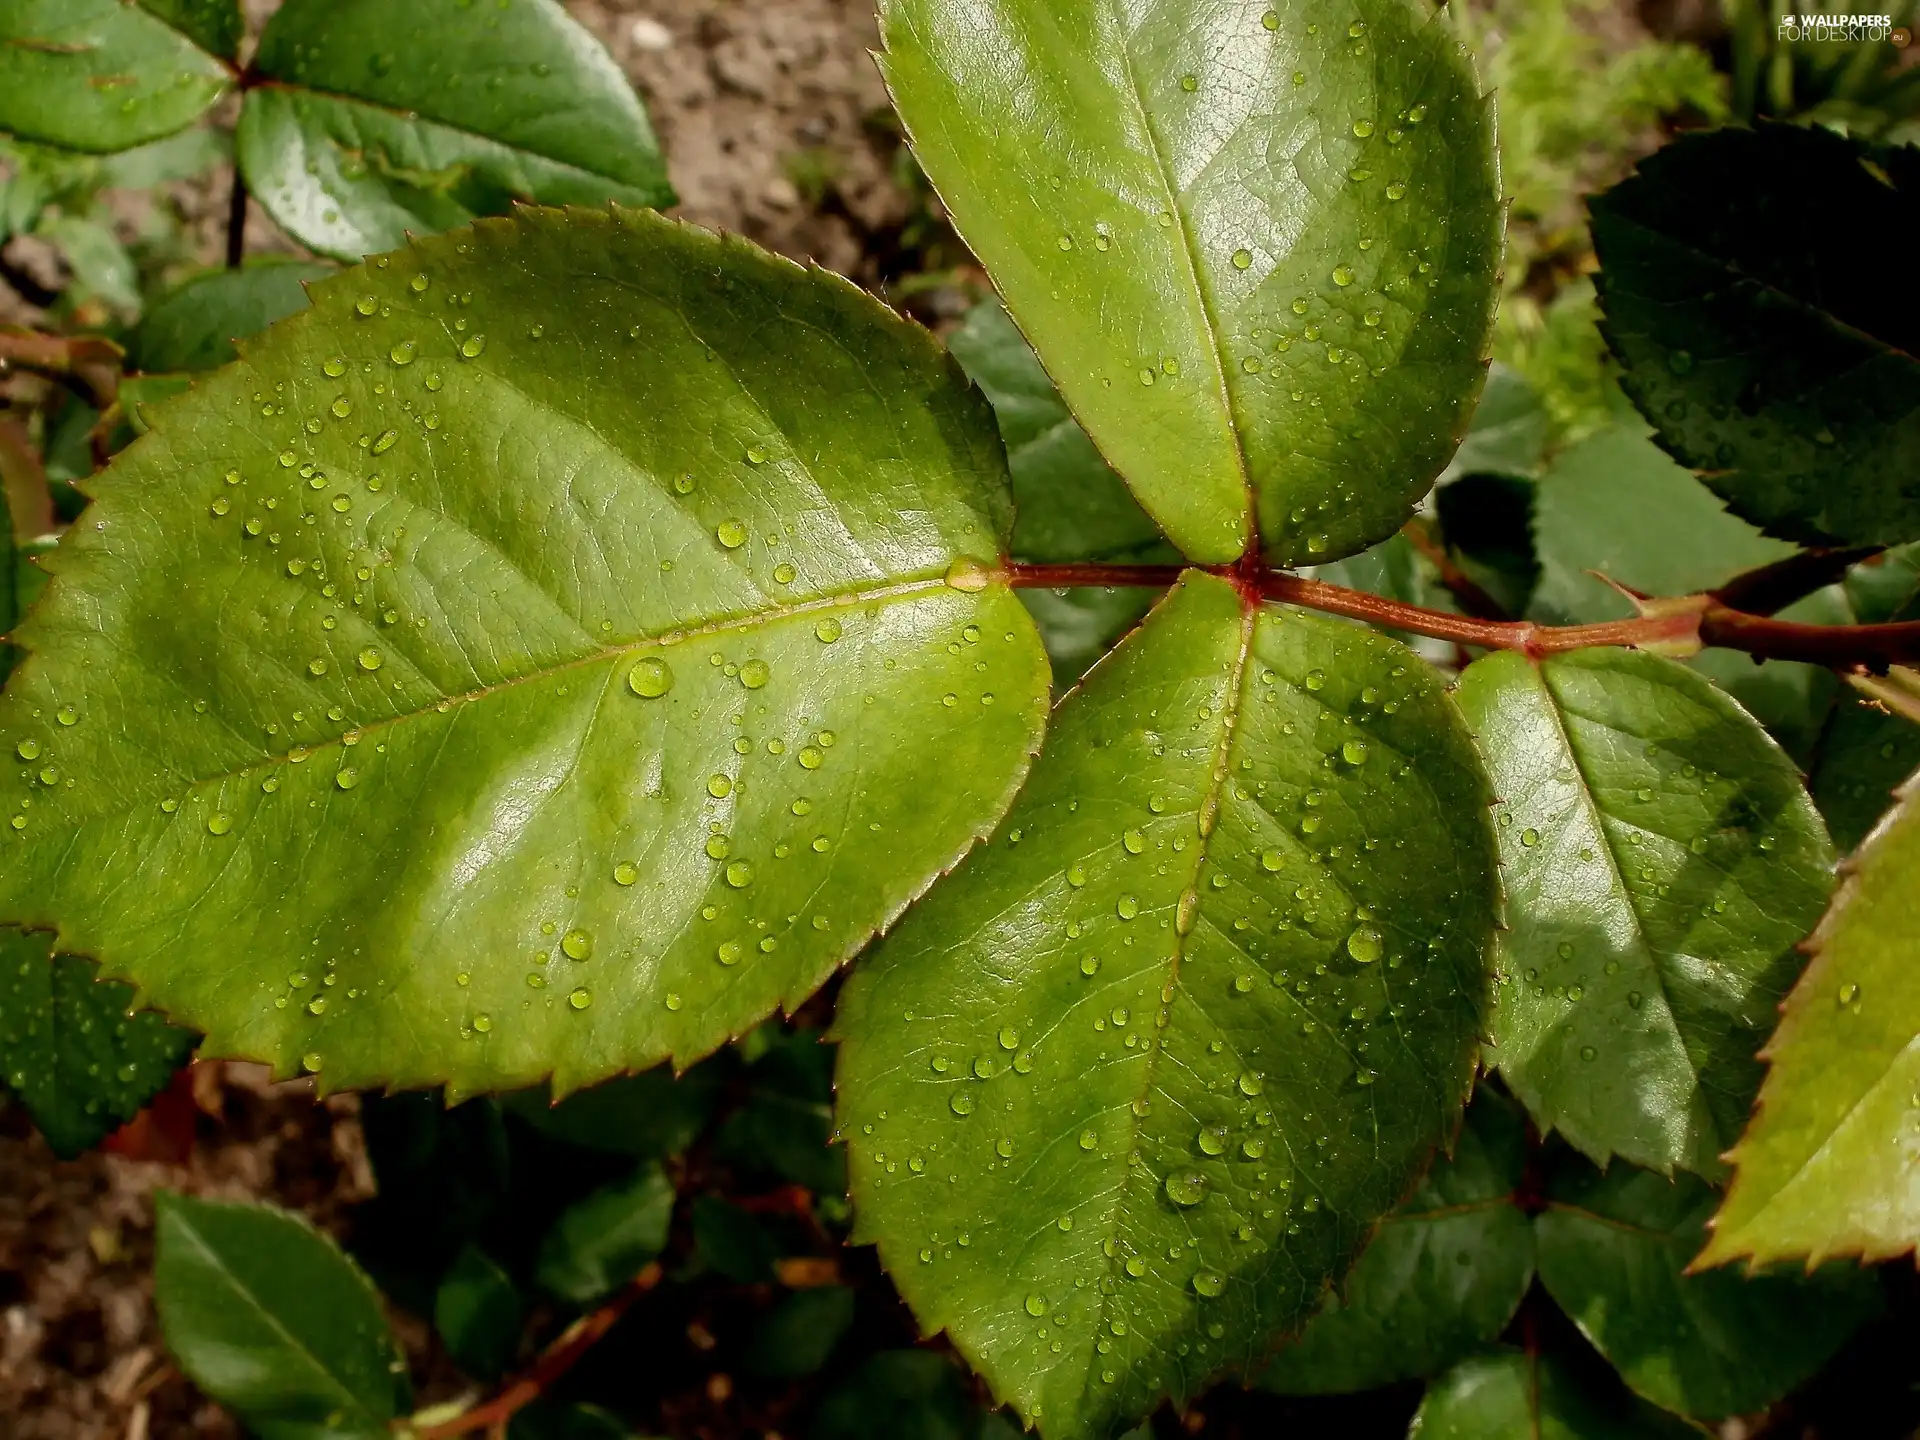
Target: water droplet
pixel 1009 1038
pixel 1242 259
pixel 367 305
pixel 1207 1284
pixel 1088 1140
pixel 28 749
pixel 67 716
pixel 740 874
pixel 1186 1187
pixel 1089 965
pixel 1213 1140
pixel 755 674
pixel 1127 907
pixel 333 369
pixel 580 998
pixel 731 533
pixel 219 823
pixel 346 779
pixel 370 659
pixel 1354 752
pixel 472 346
pixel 1849 994
pixel 961 1103
pixel 1250 1083
pixel 577 945
pixel 1587 1052
pixel 811 758
pixel 1364 944
pixel 1316 680
pixel 1680 362
pixel 483 1023
pixel 1343 275
pixel 1529 837
pixel 1189 83
pixel 650 678
pixel 1134 841
pixel 968 575
pixel 1362 129
pixel 625 873
pixel 1271 19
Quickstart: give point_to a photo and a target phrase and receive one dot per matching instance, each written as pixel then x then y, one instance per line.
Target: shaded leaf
pixel 601 1242
pixel 1864 755
pixel 1139 1078
pixel 797 1335
pixel 441 1177
pixel 477 1312
pixel 1826 1166
pixel 1509 431
pixel 140 394
pixel 269 1318
pixel 1661 859
pixel 1612 1251
pixel 1440 1278
pixel 194 325
pixel 899 1395
pixel 732 1241
pixel 1761 341
pixel 77 1059
pixel 1214 186
pixel 375 121
pixel 607 697
pixel 99 74
pixel 1081 624
pixel 214 25
pixel 1507 1395
pixel 650 1114
pixel 783 1128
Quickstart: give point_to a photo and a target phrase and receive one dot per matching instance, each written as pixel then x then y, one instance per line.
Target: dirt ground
pixel 774 121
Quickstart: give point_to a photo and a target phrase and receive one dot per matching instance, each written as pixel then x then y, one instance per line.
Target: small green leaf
pixel 1661 859
pixel 477 1312
pixel 1137 1079
pixel 1441 1277
pixel 1613 1251
pixel 269 1318
pixel 99 74
pixel 1256 251
pixel 194 325
pixel 1865 753
pixel 381 119
pixel 214 25
pixel 582 685
pixel 651 1114
pixel 601 1242
pixel 73 1054
pixel 899 1395
pixel 1507 1395
pixel 1613 503
pixel 141 394
pixel 799 1334
pixel 1081 624
pixel 1823 1170
pixel 732 1241
pixel 1767 348
pixel 1509 431
pixel 785 1126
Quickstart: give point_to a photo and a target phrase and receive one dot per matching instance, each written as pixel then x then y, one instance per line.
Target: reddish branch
pixel 1678 626
pixel 555 1361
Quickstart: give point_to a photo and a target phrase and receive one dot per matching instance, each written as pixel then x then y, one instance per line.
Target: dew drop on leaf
pixel 650 678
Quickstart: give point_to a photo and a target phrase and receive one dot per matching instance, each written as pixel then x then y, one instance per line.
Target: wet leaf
pixel 1508 1395
pixel 380 119
pixel 1769 352
pixel 194 325
pixel 214 25
pixel 1137 1080
pixel 1661 860
pixel 1269 216
pixel 580 687
pixel 269 1318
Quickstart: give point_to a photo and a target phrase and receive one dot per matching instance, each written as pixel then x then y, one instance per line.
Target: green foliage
pixel 193 327
pixel 1507 1395
pixel 1253 291
pixel 601 1240
pixel 270 1318
pixel 477 1312
pixel 1714 318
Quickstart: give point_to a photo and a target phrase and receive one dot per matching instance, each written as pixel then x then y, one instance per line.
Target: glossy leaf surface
pixel 1441 1277
pixel 78 1061
pixel 268 1317
pixel 1136 1082
pixel 1827 1166
pixel 1507 1395
pixel 1661 860
pixel 1286 221
pixel 193 326
pixel 379 119
pixel 1612 1251
pixel 1765 346
pixel 99 74
pixel 579 686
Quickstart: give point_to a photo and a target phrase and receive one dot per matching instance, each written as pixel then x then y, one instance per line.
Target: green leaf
pixel 798 1335
pixel 1173 200
pixel 477 1312
pixel 1615 504
pixel 1660 859
pixel 732 1241
pixel 140 394
pixel 548 1420
pixel 601 1242
pixel 73 1054
pixel 214 25
pixel 608 696
pixel 1081 624
pixel 1507 1395
pixel 1864 755
pixel 651 1114
pixel 1613 1251
pixel 99 74
pixel 1441 1277
pixel 1140 1077
pixel 899 1395
pixel 1759 338
pixel 1509 431
pixel 102 268
pixel 383 119
pixel 268 1317
pixel 1824 1170
pixel 785 1126
pixel 194 325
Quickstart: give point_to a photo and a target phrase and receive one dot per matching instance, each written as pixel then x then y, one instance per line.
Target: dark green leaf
pixel 1825 1168
pixel 799 1333
pixel 562 465
pixel 1864 755
pixel 1792 700
pixel 477 1312
pixel 1441 1277
pixel 1760 338
pixel 99 74
pixel 602 1242
pixel 546 1420
pixel 383 119
pixel 1886 586
pixel 732 1241
pixel 785 1125
pixel 1506 1395
pixel 141 394
pixel 1509 432
pixel 193 326
pixel 1613 503
pixel 73 1054
pixel 1256 251
pixel 269 1318
pixel 442 1179
pixel 1486 522
pixel 1138 1079
pixel 214 25
pixel 1661 859
pixel 1613 1249
pixel 650 1114
pixel 899 1395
